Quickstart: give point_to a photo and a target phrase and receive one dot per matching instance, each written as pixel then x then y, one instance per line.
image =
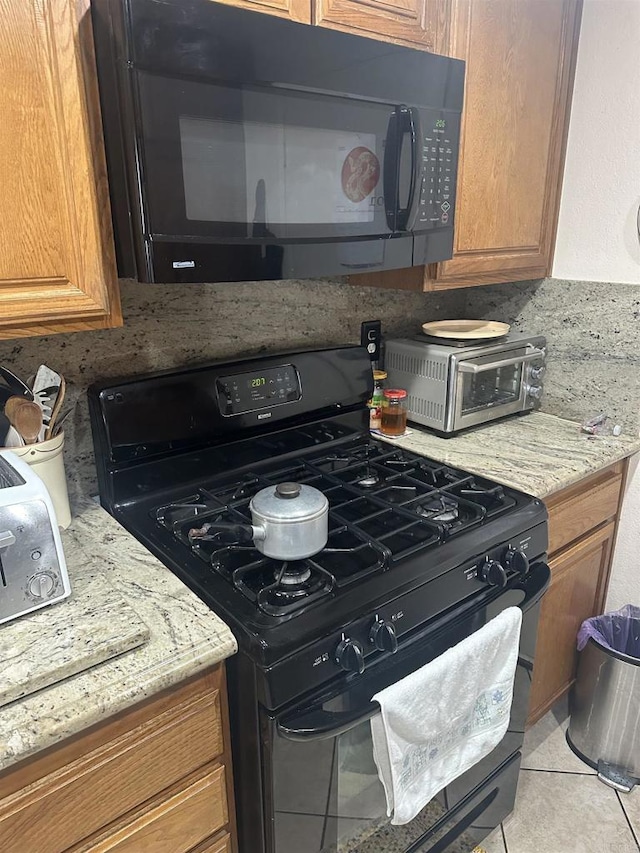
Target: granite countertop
pixel 536 453
pixel 183 637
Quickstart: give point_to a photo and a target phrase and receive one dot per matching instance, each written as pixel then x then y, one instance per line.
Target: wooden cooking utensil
pixel 56 409
pixel 27 420
pixel 12 405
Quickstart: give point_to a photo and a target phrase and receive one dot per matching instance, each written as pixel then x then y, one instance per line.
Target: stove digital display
pixel 248 392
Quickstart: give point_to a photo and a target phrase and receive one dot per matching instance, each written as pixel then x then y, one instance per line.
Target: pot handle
pixel 246 533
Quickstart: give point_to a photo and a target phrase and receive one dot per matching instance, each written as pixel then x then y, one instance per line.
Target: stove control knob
pixel 383 636
pixel 491 572
pixel 349 655
pixel 516 560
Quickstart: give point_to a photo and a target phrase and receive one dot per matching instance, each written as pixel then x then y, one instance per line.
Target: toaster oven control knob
pixel 516 560
pixel 534 391
pixel 349 655
pixel 41 585
pixel 383 636
pixel 536 373
pixel 491 572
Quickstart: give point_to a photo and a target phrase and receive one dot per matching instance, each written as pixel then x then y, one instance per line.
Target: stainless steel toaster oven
pixel 451 387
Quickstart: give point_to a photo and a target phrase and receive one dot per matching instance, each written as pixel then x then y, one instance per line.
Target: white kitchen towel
pixel 446 716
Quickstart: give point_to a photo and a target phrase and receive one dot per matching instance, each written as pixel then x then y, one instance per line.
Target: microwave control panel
pixel 249 392
pixel 439 168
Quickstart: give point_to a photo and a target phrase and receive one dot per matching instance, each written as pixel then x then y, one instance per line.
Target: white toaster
pixel 33 571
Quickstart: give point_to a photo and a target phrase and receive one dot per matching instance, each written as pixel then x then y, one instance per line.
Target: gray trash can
pixel 604 729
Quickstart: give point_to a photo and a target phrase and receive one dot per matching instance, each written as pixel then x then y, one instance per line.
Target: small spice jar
pixel 375 403
pixel 394 412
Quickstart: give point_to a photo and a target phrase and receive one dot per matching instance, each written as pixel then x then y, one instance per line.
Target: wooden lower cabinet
pixel 582 528
pixel 155 779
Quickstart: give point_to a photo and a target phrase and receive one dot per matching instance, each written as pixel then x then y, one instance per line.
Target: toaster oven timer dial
pixel 41 585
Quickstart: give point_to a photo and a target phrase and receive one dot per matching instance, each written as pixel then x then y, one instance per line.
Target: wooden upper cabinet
pixel 295 10
pixel 57 264
pixel 520 58
pixel 418 23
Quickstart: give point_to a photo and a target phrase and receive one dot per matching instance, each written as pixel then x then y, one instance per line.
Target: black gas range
pixel 419 555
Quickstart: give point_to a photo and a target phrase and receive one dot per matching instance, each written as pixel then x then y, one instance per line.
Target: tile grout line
pixel 504 838
pixel 561 772
pixel 629 824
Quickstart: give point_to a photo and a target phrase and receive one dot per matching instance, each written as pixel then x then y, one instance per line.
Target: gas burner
pixel 369 481
pixel 292 574
pixel 439 508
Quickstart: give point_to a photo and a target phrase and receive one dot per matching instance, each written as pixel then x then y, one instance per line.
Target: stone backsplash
pixel 172 325
pixel 592 331
pixel 593 335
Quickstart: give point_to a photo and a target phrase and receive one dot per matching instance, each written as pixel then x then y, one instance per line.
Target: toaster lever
pixel 6 538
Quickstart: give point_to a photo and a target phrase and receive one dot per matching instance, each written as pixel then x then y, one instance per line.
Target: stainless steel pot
pixel 290 521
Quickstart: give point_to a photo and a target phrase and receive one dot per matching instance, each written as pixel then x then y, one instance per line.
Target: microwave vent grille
pixel 427 408
pixel 414 365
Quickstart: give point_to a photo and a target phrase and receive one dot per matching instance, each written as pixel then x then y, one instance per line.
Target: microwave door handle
pixel 407 128
pixel 470 367
pixel 318 724
pixel 390 183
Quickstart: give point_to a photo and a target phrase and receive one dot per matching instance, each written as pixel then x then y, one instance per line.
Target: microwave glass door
pixel 248 162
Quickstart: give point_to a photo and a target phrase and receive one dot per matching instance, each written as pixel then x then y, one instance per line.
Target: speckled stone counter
pixel 537 453
pixel 185 637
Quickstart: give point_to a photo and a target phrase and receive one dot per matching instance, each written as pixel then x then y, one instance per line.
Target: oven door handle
pixel 315 723
pixel 470 367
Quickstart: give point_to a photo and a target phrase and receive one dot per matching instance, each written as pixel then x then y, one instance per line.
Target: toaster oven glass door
pixel 490 387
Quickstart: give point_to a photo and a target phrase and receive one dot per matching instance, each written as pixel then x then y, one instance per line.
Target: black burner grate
pixel 385 504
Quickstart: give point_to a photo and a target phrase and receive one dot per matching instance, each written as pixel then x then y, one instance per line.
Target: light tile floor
pixel 561 807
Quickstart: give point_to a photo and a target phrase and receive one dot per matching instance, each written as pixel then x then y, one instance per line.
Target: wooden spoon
pixel 12 405
pixel 27 420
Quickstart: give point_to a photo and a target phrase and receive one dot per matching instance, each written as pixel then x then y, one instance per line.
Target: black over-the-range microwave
pixel 241 146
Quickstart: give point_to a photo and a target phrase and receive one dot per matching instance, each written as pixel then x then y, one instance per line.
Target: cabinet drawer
pixel 177 824
pixel 70 803
pixel 580 508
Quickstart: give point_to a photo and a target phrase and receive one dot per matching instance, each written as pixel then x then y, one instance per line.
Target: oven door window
pixel 263 162
pixel 328 798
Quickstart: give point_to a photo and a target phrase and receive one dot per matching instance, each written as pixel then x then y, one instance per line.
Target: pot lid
pixel 288 502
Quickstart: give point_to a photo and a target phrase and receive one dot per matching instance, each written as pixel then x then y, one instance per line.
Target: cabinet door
pixel 57 265
pixel 578 585
pixel 419 23
pixel 295 10
pixel 520 58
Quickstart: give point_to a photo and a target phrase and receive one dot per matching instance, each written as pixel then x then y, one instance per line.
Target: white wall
pixel 597 230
